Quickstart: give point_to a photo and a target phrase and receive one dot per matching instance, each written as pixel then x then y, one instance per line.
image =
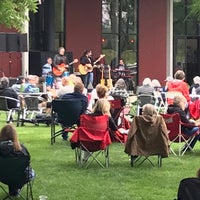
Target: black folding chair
pixel 31 109
pixel 65 112
pixel 189 189
pixel 144 99
pixel 12 172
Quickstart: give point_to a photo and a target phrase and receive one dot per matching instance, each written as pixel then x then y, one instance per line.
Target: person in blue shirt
pixel 47 72
pixel 47 68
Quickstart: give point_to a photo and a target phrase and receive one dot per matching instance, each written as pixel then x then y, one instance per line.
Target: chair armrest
pixel 189 125
pixel 10 98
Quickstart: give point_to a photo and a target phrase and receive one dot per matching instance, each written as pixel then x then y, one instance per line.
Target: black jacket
pixel 7 149
pixel 9 92
pixel 59 59
pixel 176 109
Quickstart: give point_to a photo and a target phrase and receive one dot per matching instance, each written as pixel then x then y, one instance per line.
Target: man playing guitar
pixel 60 66
pixel 58 60
pixel 86 67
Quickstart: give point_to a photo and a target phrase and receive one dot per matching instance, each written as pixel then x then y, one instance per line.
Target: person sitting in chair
pixel 148 135
pixel 119 91
pixel 31 85
pixel 102 107
pixel 7 91
pixel 67 87
pixel 11 147
pixel 77 94
pixel 146 87
pixel 179 106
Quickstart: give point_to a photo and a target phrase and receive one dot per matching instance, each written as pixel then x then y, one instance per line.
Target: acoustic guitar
pixel 109 80
pixel 60 69
pixel 84 69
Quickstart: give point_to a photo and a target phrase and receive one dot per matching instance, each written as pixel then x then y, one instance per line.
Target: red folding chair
pixel 118 114
pixel 91 138
pixel 173 123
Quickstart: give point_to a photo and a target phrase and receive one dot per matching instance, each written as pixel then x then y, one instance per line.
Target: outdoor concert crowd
pixel 98 85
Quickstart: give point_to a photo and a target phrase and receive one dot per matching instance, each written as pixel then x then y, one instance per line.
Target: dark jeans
pixel 190 132
pixel 84 79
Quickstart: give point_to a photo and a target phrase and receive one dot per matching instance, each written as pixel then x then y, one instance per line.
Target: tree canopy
pixel 195 8
pixel 13 12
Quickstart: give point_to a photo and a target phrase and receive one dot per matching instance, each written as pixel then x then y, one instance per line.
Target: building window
pixel 186 40
pixel 46 27
pixel 119 31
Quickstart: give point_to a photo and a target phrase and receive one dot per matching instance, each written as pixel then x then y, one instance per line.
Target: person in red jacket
pixel 178 84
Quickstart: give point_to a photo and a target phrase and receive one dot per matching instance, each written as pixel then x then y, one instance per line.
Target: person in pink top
pixel 178 84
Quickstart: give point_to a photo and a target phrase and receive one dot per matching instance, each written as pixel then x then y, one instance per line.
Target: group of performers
pixel 92 71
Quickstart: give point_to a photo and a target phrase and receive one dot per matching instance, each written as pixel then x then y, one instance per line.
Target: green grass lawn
pixel 58 177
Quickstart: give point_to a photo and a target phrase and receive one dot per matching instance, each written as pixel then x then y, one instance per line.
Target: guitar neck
pixel 98 59
pixel 71 63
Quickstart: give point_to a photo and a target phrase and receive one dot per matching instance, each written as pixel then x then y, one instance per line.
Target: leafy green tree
pixel 195 8
pixel 13 12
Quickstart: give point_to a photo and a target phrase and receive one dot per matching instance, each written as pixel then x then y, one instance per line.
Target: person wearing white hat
pixel 195 88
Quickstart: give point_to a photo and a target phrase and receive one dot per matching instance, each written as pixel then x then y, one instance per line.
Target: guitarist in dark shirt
pixel 86 62
pixel 60 63
pixel 60 59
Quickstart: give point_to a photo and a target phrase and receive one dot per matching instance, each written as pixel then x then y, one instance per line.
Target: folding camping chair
pixel 12 172
pixel 65 112
pixel 31 109
pixel 117 111
pixel 143 99
pixel 189 189
pixel 9 111
pixel 116 108
pixel 146 140
pixel 175 134
pixel 91 139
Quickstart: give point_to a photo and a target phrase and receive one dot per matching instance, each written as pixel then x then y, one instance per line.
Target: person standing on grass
pixel 11 147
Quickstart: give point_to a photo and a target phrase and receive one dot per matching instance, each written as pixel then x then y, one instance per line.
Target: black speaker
pixel 12 42
pixel 69 55
pixel 23 42
pixel 35 63
pixel 12 81
pixel 3 42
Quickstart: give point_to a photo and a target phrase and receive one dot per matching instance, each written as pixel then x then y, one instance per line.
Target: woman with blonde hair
pixel 11 147
pixel 99 92
pixel 102 107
